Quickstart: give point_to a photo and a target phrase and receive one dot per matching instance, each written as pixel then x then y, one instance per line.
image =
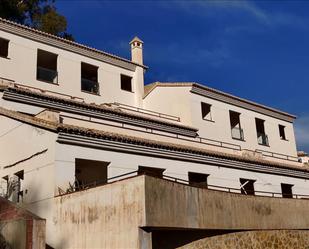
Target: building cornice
pixel 61 43
pixel 95 111
pixel 181 153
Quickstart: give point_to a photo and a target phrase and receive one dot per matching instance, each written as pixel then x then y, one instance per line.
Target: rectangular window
pixel 126 83
pixel 47 67
pixel 206 111
pixel 260 131
pixel 151 171
pixel 282 132
pixel 4 48
pixel 90 172
pixel 18 185
pixel 89 78
pixel 236 130
pixel 198 179
pixel 286 190
pixel 247 186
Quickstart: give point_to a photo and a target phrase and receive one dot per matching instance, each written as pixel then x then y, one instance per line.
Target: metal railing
pixel 80 187
pixel 145 111
pixel 48 75
pixel 90 86
pixel 277 155
pixel 262 139
pixel 237 133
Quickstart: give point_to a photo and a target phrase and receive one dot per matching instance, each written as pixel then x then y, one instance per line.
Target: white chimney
pixel 137 50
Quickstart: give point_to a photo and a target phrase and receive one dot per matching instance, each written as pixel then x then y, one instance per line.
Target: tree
pixel 39 14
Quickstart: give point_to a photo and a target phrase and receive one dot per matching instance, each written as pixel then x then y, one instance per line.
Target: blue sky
pixel 256 50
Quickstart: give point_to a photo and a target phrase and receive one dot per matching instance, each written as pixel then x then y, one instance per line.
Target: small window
pixel 206 111
pixel 236 130
pixel 126 83
pixel 282 132
pixel 47 67
pixel 89 78
pixel 247 186
pixel 260 131
pixel 4 48
pixel 89 172
pixel 198 179
pixel 286 190
pixel 151 171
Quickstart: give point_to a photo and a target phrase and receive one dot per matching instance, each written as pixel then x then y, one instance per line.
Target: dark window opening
pixel 18 185
pixel 247 186
pixel 126 83
pixel 206 111
pixel 236 130
pixel 89 78
pixel 47 67
pixel 282 132
pixel 88 172
pixel 198 179
pixel 260 130
pixel 151 171
pixel 4 48
pixel 286 190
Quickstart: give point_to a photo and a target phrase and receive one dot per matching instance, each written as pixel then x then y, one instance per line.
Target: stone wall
pixel 274 239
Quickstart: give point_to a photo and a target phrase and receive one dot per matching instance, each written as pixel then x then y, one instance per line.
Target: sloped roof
pixel 150 87
pixel 83 48
pixel 112 136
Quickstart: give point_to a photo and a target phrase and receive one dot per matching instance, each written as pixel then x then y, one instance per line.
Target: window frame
pixel 209 113
pixel 37 66
pixel 97 93
pixel 287 195
pixel 242 190
pixel 8 48
pixel 131 83
pixel 282 128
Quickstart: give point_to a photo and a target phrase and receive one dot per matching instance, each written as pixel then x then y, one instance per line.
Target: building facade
pixel 85 145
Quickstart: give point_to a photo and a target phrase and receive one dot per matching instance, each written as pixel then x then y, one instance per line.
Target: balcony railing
pixel 47 75
pixel 90 86
pixel 237 133
pixel 262 139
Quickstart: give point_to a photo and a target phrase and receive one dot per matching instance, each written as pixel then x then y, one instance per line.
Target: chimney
pixel 137 50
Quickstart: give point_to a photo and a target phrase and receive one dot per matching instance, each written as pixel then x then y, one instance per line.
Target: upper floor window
pixel 247 186
pixel 198 179
pixel 89 78
pixel 126 83
pixel 89 172
pixel 206 111
pixel 4 48
pixel 236 130
pixel 282 132
pixel 286 190
pixel 260 131
pixel 47 67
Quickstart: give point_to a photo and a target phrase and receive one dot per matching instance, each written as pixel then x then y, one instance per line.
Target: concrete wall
pixel 280 239
pixel 23 58
pixel 102 217
pixel 171 205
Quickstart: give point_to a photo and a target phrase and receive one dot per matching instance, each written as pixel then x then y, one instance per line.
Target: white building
pixel 72 116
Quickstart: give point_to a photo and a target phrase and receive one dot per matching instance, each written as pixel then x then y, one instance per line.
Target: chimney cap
pixel 136 39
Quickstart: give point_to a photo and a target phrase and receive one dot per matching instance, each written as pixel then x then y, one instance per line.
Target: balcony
pixel 238 133
pixel 90 86
pixel 262 139
pixel 47 75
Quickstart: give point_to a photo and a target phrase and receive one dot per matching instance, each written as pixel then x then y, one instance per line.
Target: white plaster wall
pixel 220 129
pixel 179 101
pixel 171 100
pixel 21 67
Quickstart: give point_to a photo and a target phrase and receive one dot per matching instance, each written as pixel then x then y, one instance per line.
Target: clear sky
pixel 255 50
